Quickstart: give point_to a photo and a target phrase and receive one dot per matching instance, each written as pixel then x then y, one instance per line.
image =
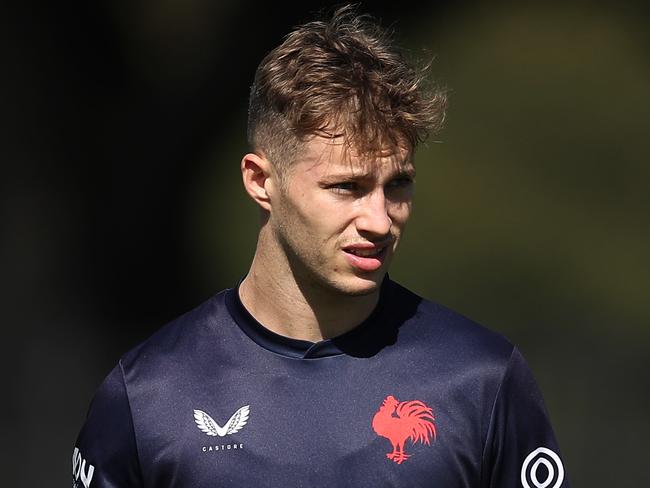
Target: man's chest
pixel 349 428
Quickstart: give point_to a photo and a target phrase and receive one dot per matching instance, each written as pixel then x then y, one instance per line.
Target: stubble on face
pixel 312 224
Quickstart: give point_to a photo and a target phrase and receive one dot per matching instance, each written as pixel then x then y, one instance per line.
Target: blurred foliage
pixel 541 179
pixel 223 220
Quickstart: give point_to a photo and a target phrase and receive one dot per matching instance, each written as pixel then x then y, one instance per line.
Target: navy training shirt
pixel 415 396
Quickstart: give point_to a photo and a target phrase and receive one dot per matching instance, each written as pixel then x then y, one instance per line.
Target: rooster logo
pixel 206 424
pixel 398 421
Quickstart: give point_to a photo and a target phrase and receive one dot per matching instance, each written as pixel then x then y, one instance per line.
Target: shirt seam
pixel 493 411
pixel 128 404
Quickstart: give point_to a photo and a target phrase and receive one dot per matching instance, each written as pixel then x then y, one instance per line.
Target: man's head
pixel 335 115
pixel 339 77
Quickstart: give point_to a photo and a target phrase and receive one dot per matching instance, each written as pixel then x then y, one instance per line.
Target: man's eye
pixel 401 183
pixel 344 187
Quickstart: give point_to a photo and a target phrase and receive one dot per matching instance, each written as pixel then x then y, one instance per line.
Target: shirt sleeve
pixel 105 454
pixel 521 450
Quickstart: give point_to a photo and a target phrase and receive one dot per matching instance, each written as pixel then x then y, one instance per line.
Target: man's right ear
pixel 256 174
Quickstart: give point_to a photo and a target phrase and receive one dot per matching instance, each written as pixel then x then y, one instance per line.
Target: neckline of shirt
pixel 362 341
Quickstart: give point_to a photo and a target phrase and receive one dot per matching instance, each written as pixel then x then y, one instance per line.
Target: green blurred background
pixel 121 203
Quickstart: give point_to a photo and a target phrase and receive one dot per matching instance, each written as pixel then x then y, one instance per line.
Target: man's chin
pixel 350 282
pixel 362 285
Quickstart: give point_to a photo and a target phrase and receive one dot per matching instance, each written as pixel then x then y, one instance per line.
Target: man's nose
pixel 374 216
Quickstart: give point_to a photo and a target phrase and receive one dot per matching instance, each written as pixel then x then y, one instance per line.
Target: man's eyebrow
pixel 344 175
pixel 408 172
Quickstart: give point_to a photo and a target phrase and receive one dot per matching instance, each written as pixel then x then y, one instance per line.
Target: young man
pixel 317 370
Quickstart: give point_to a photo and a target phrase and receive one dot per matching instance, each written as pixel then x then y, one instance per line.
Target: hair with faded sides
pixel 340 77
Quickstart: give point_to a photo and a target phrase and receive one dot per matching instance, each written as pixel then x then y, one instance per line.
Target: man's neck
pixel 293 308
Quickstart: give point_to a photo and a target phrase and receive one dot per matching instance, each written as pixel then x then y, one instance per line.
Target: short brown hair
pixel 335 77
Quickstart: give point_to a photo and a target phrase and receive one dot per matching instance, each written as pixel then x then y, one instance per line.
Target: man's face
pixel 339 217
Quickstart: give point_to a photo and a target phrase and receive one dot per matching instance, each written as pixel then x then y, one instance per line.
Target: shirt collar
pixel 365 340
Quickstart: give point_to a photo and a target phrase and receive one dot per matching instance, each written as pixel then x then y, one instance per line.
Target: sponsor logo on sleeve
pixel 542 468
pixel 81 469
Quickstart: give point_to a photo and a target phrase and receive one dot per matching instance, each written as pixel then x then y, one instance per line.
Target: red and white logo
pixel 401 421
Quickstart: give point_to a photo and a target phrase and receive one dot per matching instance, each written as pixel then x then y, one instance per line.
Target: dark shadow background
pixel 121 129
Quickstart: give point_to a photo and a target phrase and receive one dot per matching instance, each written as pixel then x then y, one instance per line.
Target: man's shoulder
pixel 182 336
pixel 450 332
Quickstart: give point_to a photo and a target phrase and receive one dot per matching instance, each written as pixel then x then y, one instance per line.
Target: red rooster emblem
pixel 398 421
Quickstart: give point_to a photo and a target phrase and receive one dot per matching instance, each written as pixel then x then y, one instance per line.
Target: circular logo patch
pixel 542 468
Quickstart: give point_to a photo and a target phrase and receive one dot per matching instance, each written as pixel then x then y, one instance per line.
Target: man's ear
pixel 257 176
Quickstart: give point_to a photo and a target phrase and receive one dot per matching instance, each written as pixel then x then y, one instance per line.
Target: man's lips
pixel 366 257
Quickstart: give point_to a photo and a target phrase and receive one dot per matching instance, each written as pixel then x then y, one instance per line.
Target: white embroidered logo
pixel 553 469
pixel 81 470
pixel 207 425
